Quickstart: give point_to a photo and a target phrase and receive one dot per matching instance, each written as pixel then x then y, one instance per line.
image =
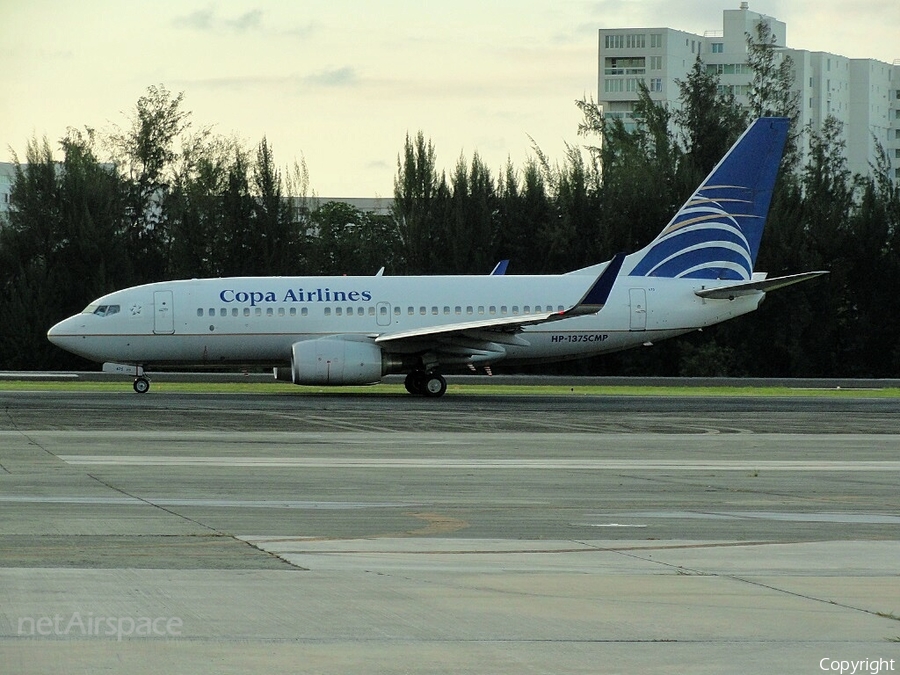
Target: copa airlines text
pixel 254 298
pixel 354 330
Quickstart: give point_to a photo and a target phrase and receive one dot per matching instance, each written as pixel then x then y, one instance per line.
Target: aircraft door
pixel 383 314
pixel 163 313
pixel 638 302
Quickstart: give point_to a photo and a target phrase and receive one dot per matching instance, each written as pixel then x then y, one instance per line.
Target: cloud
pixel 247 21
pixel 208 21
pixel 201 20
pixel 332 77
pixel 345 76
pixel 251 22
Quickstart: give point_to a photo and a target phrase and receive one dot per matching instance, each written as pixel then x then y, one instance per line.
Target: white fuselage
pixel 255 320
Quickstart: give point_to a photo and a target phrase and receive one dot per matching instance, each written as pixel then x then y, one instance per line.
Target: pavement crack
pixel 690 571
pixel 155 505
pixel 214 530
pixel 26 436
pixel 804 596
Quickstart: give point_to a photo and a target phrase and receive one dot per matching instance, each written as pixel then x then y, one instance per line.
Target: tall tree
pixel 709 117
pixel 63 245
pixel 350 241
pixel 273 222
pixel 643 181
pixel 771 91
pixel 418 192
pixel 473 210
pixel 524 217
pixel 145 153
pixel 194 208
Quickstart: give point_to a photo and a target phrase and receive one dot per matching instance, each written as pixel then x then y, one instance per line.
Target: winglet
pixel 500 268
pixel 598 294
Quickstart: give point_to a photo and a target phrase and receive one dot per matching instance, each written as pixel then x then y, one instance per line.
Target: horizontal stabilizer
pixel 752 287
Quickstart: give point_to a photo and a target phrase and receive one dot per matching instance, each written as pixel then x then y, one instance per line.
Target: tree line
pixel 160 199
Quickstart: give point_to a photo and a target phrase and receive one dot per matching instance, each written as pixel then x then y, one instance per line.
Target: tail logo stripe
pixel 716 234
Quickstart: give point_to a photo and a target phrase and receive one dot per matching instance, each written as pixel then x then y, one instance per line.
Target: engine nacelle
pixel 333 361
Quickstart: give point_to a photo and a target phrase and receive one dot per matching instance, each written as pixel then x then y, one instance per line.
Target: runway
pixel 491 534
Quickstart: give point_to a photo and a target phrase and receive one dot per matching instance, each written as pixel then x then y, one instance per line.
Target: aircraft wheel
pixel 435 385
pixel 141 385
pixel 415 383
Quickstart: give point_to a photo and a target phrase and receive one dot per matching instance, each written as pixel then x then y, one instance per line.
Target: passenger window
pixel 328 311
pixel 469 309
pixel 246 311
pixel 422 311
pixel 211 311
pixel 434 310
pixel 269 311
pixel 199 311
pixel 503 309
pixel 396 311
pixel 457 309
pixel 411 311
pixel 481 309
pixel 304 311
pixel 281 311
pixel 293 311
pixel 526 310
pixel 223 312
pixel 446 310
pixel 493 309
pixel 338 311
pixel 259 311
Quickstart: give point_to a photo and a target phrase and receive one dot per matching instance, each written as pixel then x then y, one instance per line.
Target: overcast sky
pixel 341 82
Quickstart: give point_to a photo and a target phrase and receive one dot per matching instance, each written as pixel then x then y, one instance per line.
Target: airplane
pixel 355 330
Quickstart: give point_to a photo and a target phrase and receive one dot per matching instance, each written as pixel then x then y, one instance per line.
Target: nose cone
pixel 60 331
pixel 68 334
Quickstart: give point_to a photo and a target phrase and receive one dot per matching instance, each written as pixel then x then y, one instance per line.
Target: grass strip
pixel 279 388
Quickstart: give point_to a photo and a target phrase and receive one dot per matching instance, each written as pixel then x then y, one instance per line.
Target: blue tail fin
pixel 716 234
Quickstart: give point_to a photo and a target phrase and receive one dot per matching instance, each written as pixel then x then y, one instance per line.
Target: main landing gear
pixel 422 383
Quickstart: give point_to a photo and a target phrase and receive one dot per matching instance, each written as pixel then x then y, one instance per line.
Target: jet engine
pixel 334 361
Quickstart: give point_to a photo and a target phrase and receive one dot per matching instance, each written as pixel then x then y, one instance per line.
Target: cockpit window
pixel 102 310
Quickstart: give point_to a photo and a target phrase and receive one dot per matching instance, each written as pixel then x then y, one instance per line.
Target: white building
pixel 7 174
pixel 864 94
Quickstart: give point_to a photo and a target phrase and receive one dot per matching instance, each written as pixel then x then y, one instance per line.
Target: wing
pixel 485 335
